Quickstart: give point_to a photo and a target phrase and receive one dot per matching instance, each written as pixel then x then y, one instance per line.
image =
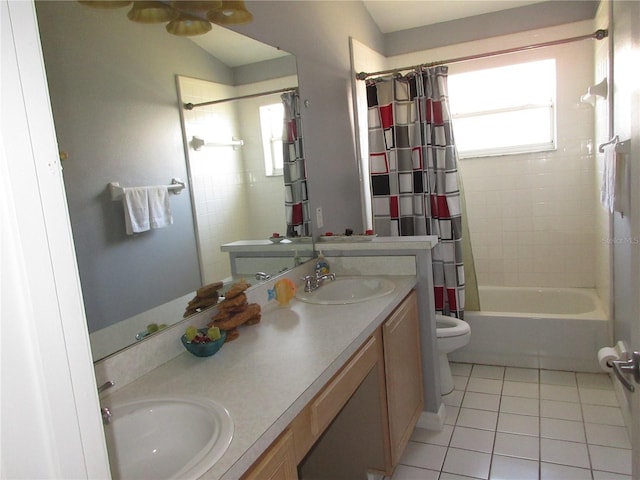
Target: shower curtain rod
pixel 597 35
pixel 191 106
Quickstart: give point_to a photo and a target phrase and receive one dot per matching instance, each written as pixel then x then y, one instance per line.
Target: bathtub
pixel 550 328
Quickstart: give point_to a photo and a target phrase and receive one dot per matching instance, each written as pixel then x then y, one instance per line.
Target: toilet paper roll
pixel 606 355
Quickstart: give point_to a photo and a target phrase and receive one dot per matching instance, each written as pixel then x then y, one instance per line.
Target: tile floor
pixel 519 424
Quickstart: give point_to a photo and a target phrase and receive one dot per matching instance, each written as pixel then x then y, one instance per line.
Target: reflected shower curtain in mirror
pixel 413 165
pixel 295 180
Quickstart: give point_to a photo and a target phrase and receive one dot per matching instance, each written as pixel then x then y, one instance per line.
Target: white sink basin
pixel 164 438
pixel 344 290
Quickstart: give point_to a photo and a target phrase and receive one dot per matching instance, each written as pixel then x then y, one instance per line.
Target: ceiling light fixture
pixel 184 17
pixel 151 12
pixel 230 13
pixel 188 25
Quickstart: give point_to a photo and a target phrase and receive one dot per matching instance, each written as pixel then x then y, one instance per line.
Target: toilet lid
pixel 450 326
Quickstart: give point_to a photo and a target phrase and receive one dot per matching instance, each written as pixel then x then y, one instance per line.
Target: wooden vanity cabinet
pixel 403 374
pixel 278 462
pixel 377 393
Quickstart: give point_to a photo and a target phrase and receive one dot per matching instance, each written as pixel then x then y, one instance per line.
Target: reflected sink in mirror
pixel 166 437
pixel 345 290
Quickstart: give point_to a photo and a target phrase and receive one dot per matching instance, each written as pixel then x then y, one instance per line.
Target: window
pixel 271 121
pixel 504 110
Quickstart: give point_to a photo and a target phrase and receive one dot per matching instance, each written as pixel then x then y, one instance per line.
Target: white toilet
pixel 452 334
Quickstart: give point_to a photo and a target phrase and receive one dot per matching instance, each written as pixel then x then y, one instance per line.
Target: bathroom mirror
pixel 117 114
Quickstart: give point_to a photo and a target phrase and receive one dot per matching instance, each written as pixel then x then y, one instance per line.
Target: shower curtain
pixel 295 180
pixel 413 166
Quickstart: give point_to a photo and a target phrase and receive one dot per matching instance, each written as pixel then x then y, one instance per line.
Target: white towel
pixel 614 191
pixel 159 207
pixel 136 209
pixel 621 188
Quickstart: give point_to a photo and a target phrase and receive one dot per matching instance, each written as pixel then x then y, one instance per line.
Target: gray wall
pixel 513 20
pixel 114 100
pixel 317 33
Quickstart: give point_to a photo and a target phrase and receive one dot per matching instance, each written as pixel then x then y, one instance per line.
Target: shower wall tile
pixel 533 218
pixel 602 134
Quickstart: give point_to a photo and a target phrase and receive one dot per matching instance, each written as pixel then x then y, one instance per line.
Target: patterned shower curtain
pixel 413 165
pixel 295 180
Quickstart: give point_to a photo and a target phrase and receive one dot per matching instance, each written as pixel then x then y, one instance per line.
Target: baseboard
pixel 431 420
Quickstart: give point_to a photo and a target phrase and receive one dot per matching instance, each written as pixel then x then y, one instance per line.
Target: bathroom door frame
pixel 52 400
pixel 624 30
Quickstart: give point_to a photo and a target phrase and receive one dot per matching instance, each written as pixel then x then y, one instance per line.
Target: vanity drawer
pixel 321 411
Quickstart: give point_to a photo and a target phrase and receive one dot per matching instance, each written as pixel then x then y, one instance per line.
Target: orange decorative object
pixel 285 290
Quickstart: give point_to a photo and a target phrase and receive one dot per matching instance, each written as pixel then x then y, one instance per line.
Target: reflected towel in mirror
pixel 159 207
pixel 146 208
pixel 136 209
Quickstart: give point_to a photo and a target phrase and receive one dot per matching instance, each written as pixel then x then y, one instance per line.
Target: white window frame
pixel 550 105
pixel 272 142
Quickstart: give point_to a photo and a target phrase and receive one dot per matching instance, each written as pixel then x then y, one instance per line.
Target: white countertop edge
pixel 381 243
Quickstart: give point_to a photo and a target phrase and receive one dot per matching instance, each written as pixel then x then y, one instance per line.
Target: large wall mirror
pixel 116 89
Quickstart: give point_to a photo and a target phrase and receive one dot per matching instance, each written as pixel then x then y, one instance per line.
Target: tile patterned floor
pixel 519 424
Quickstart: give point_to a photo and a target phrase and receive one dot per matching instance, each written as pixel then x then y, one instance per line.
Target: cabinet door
pixel 278 463
pixel 403 372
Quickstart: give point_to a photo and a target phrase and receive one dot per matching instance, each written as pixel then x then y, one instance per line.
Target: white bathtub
pixel 551 328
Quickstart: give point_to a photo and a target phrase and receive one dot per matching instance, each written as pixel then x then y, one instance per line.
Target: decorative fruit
pixel 275 235
pixel 213 333
pixel 152 328
pixel 191 333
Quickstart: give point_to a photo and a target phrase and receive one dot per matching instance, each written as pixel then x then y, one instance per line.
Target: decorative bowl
pixel 204 349
pixel 277 239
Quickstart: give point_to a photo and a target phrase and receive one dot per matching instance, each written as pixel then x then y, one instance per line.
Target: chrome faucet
pixel 106 415
pixel 105 386
pixel 262 276
pixel 104 411
pixel 312 283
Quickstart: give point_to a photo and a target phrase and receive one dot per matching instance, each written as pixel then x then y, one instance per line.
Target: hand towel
pixel 159 207
pixel 621 186
pixel 614 192
pixel 136 209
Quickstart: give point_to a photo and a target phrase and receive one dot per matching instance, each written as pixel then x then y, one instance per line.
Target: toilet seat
pixel 450 326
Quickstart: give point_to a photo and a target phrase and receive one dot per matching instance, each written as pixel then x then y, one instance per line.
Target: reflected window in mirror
pixel 271 120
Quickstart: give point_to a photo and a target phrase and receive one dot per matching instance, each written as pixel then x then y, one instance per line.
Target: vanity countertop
pixel 268 375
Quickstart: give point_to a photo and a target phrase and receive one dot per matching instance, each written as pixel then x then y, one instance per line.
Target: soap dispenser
pixel 322 266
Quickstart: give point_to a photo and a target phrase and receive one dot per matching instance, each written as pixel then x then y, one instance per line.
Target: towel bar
pixel 614 140
pixel 117 190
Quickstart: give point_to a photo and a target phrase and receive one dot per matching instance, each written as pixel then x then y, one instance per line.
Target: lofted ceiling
pixel 389 15
pixel 396 15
